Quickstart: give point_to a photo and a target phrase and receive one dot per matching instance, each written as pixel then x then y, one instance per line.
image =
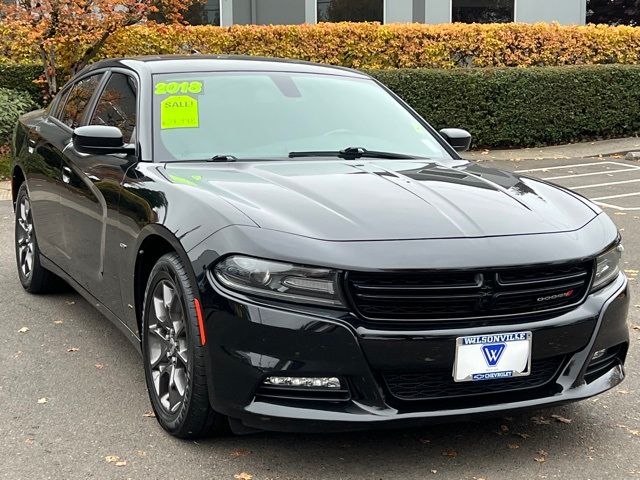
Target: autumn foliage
pixel 358 45
pixel 69 33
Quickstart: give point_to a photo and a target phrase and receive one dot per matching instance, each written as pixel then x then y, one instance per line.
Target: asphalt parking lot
pixel 72 396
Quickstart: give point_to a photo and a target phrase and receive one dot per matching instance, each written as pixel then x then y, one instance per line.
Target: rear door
pixel 90 201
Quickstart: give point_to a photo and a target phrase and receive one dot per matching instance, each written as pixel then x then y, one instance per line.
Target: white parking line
pixel 622 195
pixel 606 172
pixel 594 185
pixel 560 167
pixel 617 207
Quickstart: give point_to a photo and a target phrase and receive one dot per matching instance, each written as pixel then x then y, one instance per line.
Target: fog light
pixel 305 382
pixel 599 354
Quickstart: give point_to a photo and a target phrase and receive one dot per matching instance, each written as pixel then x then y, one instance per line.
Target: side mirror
pixel 100 139
pixel 459 139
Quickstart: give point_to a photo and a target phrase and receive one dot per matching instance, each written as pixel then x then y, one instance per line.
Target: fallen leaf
pixel 561 419
pixel 29 441
pixel 23 330
pixel 58 322
pixel 73 349
pixel 623 392
pixel 540 421
pixel 149 413
pixel 449 453
pixel 513 446
pixel 122 463
pixel 619 213
pixel 141 453
pixel 43 400
pixel 99 366
pixel 542 456
pixel 111 458
pixel 504 429
pixel 434 471
pixel 243 476
pixel 70 303
pixel 636 327
pixel 240 453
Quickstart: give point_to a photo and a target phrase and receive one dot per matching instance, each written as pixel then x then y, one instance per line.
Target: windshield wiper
pixel 352 153
pixel 223 158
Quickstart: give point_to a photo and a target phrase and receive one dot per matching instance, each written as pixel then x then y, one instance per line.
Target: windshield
pixel 262 115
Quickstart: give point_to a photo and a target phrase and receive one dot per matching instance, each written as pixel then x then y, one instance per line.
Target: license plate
pixel 492 357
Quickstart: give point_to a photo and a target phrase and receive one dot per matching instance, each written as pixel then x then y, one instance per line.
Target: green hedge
pixel 501 107
pixel 513 107
pixel 13 103
pixel 22 77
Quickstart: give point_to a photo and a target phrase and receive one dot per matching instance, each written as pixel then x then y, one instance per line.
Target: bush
pixel 518 107
pixel 363 45
pixel 22 77
pixel 13 103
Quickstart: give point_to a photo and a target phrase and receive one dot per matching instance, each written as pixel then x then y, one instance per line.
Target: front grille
pixel 438 384
pixel 444 295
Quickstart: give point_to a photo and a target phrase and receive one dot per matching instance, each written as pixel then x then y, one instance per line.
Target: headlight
pixel 607 267
pixel 279 280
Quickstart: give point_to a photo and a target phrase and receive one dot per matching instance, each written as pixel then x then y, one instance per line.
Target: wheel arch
pixel 17 179
pixel 154 242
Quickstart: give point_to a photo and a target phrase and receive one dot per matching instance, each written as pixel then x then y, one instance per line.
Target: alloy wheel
pixel 25 238
pixel 167 345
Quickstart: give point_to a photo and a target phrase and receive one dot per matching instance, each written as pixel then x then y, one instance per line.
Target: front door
pixel 90 201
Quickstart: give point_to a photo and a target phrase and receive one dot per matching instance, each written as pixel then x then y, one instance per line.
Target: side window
pixel 117 105
pixel 58 104
pixel 79 97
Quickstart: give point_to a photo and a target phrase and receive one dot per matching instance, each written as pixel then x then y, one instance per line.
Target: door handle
pixel 66 174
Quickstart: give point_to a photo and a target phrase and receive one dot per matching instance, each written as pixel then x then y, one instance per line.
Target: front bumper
pixel 248 341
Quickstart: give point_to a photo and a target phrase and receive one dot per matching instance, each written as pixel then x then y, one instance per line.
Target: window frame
pixel 515 11
pixel 94 101
pixel 66 91
pixel 93 104
pixel 384 11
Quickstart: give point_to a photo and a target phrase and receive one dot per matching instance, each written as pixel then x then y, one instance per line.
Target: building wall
pixel 568 12
pixel 438 11
pixel 396 11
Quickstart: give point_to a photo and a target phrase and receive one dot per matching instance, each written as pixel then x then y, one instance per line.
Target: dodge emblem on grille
pixel 555 297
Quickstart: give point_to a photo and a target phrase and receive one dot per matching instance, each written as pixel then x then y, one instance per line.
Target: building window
pixel 268 12
pixel 482 11
pixel 614 12
pixel 351 11
pixel 203 13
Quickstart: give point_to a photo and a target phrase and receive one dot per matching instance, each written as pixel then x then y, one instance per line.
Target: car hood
pixel 387 200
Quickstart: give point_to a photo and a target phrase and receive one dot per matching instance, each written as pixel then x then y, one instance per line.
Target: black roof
pixel 212 63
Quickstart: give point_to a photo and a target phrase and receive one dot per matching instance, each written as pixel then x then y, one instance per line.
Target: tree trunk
pixel 49 64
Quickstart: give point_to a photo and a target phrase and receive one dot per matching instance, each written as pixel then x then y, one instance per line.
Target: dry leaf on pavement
pixel 149 414
pixel 112 459
pixel 240 453
pixel 561 419
pixel 513 446
pixel 23 330
pixel 122 463
pixel 449 452
pixel 243 476
pixel 70 303
pixel 542 456
pixel 58 322
pixel 99 366
pixel 42 400
pixel 73 349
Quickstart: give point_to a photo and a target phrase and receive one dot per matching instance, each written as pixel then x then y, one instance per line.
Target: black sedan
pixel 292 247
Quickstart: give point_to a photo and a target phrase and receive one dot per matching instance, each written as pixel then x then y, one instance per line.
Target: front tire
pixel 173 356
pixel 33 276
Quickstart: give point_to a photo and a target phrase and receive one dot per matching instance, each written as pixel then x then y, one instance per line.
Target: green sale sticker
pixel 179 111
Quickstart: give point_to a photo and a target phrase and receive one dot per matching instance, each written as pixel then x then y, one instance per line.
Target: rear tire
pixel 33 276
pixel 174 359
